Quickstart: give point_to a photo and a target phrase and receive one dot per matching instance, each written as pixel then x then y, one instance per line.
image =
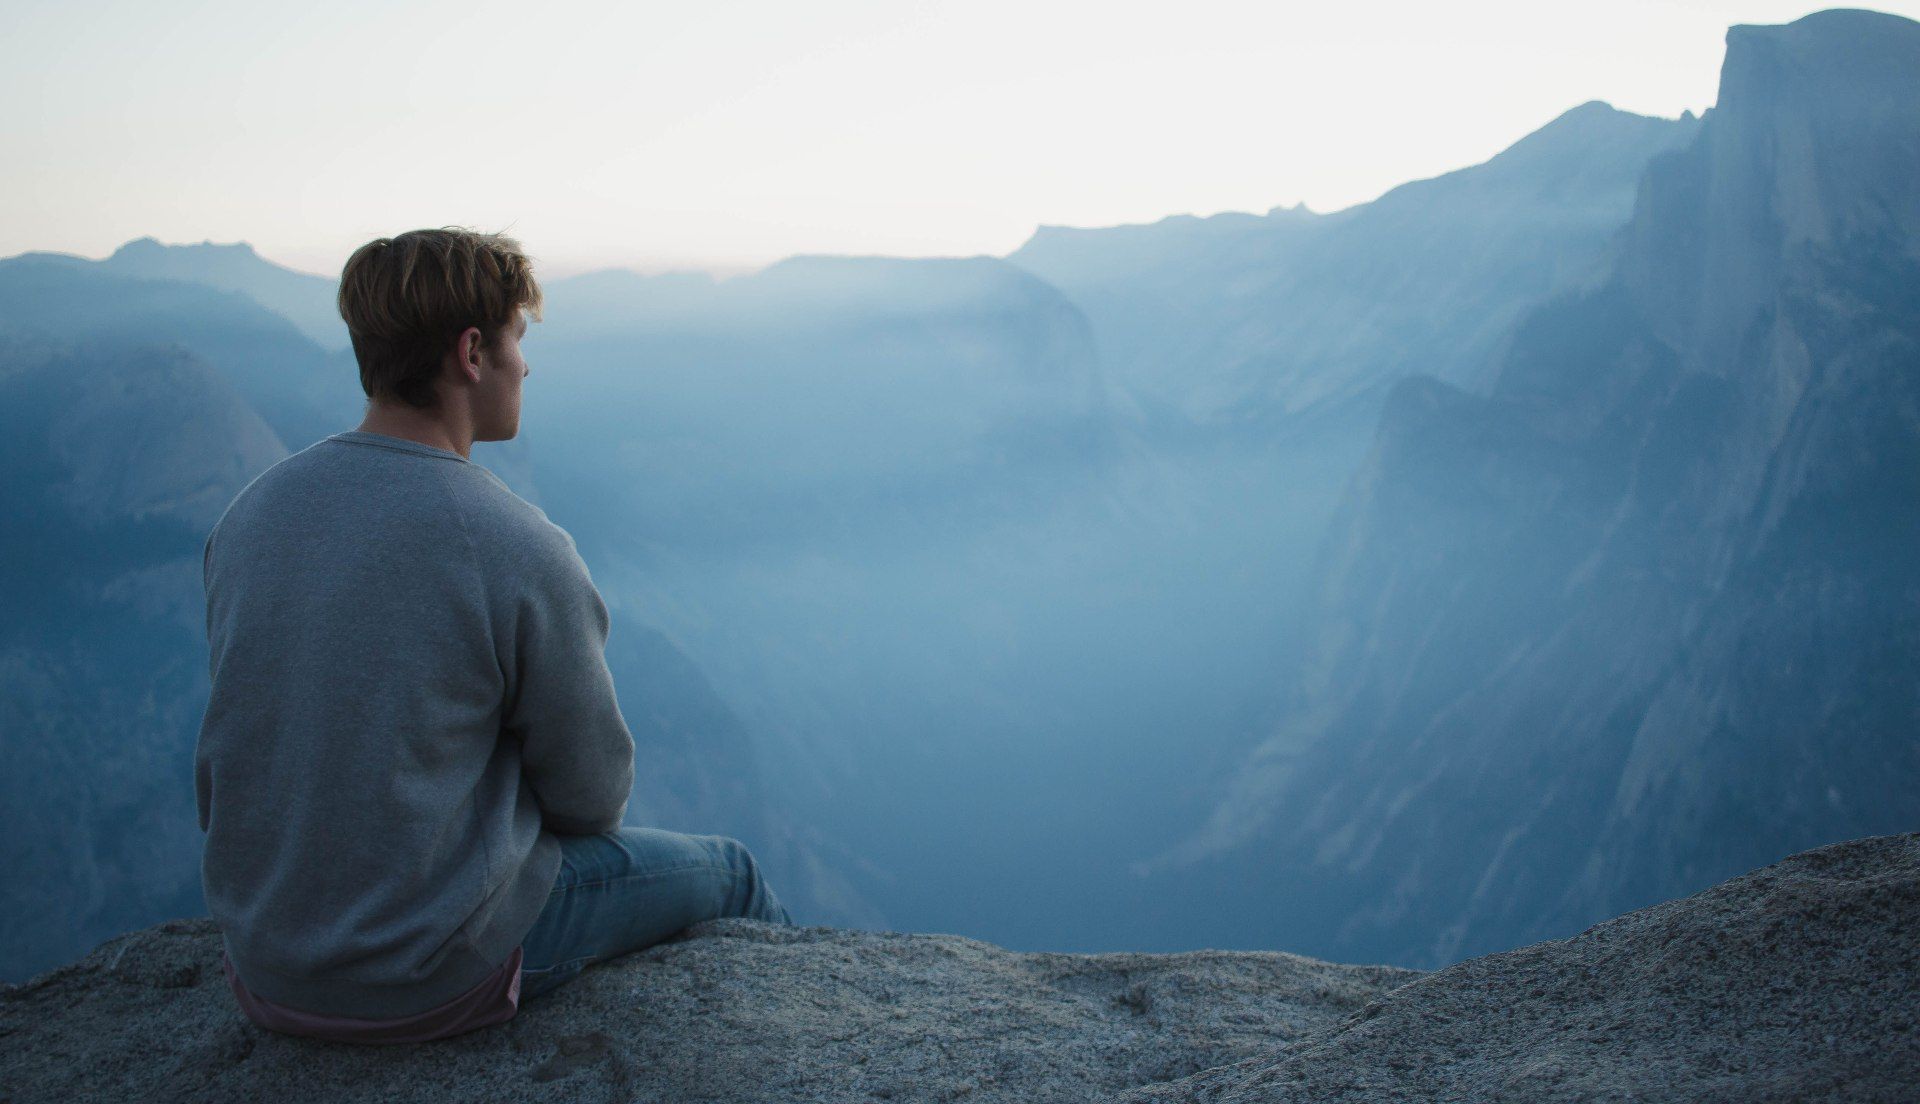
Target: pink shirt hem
pixel 495 1000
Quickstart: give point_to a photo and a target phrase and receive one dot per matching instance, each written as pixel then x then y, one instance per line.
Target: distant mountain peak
pixel 303 298
pixel 1590 108
pixel 1299 210
pixel 1833 25
pixel 1594 121
pixel 150 246
pixel 1812 134
pixel 1878 53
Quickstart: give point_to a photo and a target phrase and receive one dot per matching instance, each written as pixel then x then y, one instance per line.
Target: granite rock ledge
pixel 1798 981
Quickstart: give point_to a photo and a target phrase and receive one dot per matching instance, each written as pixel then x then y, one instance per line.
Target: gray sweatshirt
pixel 410 698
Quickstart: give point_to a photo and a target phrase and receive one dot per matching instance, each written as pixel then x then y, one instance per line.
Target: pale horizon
pixel 723 270
pixel 747 133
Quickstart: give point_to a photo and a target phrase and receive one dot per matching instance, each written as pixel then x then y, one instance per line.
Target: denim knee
pixel 734 853
pixel 760 901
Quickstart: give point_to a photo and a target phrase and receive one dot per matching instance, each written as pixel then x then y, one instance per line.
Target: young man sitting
pixel 413 771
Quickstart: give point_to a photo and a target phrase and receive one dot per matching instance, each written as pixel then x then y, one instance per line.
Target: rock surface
pixel 733 1010
pixel 1797 981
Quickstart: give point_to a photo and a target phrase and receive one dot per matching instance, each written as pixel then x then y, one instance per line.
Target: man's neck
pixel 417 425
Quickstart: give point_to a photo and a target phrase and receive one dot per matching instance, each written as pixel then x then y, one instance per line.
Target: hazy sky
pixel 730 133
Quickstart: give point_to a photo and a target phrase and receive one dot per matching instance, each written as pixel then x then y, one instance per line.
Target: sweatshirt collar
pixel 382 440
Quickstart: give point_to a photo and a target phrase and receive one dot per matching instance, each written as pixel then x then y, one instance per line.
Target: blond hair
pixel 406 298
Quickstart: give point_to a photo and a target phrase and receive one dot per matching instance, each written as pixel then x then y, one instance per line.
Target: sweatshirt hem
pixel 474 957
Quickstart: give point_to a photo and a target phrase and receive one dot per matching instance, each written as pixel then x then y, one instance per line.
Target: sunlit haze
pixel 728 134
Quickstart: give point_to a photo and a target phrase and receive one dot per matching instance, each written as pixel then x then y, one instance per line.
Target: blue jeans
pixel 624 890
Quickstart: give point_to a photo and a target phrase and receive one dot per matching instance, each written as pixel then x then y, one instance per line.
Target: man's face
pixel 496 412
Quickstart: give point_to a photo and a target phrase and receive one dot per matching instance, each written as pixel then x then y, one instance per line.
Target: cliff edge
pixel 1800 980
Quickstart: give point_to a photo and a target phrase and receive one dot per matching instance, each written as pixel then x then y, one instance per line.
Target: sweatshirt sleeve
pixel 576 751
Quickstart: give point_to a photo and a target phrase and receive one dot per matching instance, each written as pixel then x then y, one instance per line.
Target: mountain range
pixel 1645 613
pixel 1396 584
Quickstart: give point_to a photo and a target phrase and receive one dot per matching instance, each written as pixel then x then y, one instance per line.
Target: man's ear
pixel 468 352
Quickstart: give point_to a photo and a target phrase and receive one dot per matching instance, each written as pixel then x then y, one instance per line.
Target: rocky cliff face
pixel 1646 614
pixel 1797 981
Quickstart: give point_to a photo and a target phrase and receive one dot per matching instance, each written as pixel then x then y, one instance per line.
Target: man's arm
pixel 576 751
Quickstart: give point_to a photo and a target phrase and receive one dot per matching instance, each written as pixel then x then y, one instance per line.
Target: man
pixel 413 771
